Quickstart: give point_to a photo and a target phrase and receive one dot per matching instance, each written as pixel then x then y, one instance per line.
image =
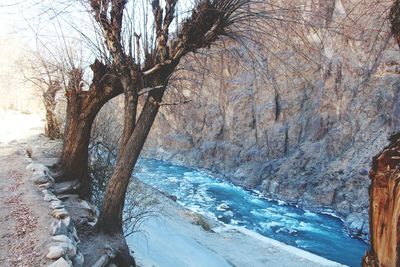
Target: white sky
pixel 26 18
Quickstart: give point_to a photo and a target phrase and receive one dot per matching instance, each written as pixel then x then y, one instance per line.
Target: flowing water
pixel 199 191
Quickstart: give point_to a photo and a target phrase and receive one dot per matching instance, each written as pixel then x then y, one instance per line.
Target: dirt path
pixel 24 216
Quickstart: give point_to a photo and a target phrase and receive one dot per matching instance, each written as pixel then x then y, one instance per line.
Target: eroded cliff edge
pixel 296 130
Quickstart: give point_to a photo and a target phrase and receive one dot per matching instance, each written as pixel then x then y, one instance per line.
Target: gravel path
pixel 24 218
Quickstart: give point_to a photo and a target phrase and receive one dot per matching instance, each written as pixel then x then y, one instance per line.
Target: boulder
pixel 58 228
pixel 41 179
pixel 47 185
pixel 55 252
pixel 49 196
pixel 68 223
pixel 38 169
pixel 60 213
pixel 69 248
pixel 66 187
pixel 57 204
pixel 61 238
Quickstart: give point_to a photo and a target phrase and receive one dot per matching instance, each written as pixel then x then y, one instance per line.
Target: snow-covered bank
pixel 174 240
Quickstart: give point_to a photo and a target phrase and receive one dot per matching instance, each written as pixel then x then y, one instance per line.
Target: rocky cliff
pixel 302 119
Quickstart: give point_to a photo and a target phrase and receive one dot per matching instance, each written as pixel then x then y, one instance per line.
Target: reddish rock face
pixel 385 207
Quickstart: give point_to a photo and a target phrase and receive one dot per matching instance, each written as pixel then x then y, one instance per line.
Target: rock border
pixel 63 245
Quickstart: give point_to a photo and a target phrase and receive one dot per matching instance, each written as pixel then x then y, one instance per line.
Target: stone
pixel 74 234
pixel 69 248
pixel 47 185
pixel 61 238
pixel 48 195
pixel 66 196
pixel 55 252
pixel 65 239
pixel 61 262
pixel 57 204
pixel 58 228
pixel 68 223
pixel 50 162
pixel 66 187
pixel 85 205
pixel 60 213
pixel 38 169
pixel 41 179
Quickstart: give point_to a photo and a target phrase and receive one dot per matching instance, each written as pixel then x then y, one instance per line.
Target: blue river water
pixel 197 190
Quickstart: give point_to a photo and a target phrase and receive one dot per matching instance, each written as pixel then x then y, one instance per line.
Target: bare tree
pixel 47 77
pixel 146 71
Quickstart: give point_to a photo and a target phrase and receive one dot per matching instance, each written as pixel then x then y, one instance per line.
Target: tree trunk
pixel 82 109
pixel 385 208
pixel 75 151
pixel 110 219
pixel 52 127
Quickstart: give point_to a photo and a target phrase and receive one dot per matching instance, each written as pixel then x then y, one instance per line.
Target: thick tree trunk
pixel 385 208
pixel 110 219
pixel 123 257
pixel 82 109
pixel 75 151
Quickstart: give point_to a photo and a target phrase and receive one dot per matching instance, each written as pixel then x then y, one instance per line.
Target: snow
pixel 173 240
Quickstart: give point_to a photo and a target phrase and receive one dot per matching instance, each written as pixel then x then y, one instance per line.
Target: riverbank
pixel 179 237
pixel 174 239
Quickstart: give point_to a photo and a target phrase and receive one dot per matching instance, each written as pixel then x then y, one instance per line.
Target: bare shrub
pixel 140 204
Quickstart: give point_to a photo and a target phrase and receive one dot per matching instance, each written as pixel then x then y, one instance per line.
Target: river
pixel 200 191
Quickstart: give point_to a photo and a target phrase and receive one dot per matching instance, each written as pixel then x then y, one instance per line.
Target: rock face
pixel 385 207
pixel 299 129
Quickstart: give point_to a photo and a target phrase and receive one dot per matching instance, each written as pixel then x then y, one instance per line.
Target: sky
pixel 28 19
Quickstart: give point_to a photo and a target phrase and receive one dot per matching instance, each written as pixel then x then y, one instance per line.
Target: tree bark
pixel 82 109
pixel 52 127
pixel 110 219
pixel 75 150
pixel 385 208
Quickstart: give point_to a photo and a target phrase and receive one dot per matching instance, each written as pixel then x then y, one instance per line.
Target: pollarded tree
pixel 47 77
pixel 82 108
pixel 147 72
